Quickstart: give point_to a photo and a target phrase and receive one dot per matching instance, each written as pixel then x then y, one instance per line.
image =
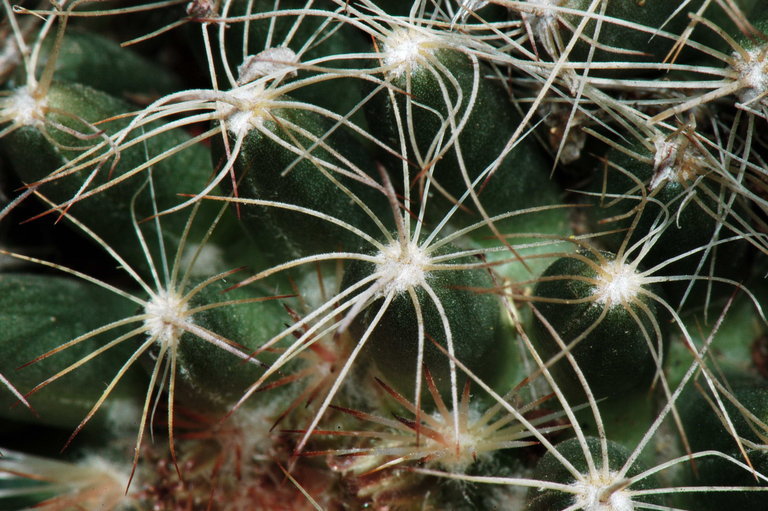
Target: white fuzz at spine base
pixel 277 63
pixel 253 112
pixel 592 495
pixel 402 269
pixel 166 310
pixel 753 74
pixel 617 283
pixel 24 109
pixel 406 50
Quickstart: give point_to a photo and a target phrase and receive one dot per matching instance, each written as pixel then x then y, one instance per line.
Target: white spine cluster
pixel 406 50
pixel 617 283
pixel 402 268
pixel 24 108
pixel 597 494
pixel 753 75
pixel 166 310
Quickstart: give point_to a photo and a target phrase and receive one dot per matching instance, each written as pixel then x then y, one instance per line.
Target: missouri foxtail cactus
pixel 379 254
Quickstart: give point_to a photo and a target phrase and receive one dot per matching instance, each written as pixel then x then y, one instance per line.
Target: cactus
pixel 378 254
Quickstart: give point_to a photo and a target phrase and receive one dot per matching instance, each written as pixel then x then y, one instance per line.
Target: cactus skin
pixel 35 154
pixel 326 177
pixel 474 324
pixel 96 61
pixel 550 469
pixel 688 202
pixel 287 234
pixel 615 357
pixel 45 309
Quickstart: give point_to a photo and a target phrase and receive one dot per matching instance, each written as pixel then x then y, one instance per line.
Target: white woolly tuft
pixel 276 63
pixel 24 109
pixel 617 283
pixel 243 119
pixel 166 310
pixel 591 495
pixel 753 73
pixel 405 50
pixel 402 269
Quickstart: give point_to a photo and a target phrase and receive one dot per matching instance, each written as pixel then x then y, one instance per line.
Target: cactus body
pixel 383 255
